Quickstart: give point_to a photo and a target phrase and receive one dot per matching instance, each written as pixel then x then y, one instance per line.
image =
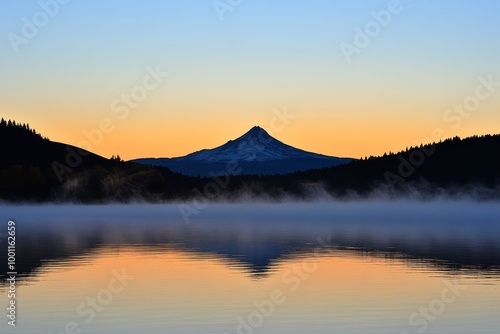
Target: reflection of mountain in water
pixel 253 237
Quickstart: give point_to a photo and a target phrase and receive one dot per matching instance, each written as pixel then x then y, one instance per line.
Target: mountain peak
pixel 256 130
pixel 258 136
pixel 256 151
pixel 254 145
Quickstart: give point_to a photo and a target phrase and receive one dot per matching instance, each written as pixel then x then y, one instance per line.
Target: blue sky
pixel 265 54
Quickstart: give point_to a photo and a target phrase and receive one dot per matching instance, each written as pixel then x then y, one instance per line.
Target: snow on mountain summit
pixel 256 153
pixel 255 145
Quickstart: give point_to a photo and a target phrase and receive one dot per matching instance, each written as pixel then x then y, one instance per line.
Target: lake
pixel 344 267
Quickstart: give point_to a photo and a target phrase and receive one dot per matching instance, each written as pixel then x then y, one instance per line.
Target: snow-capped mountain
pixel 255 145
pixel 256 152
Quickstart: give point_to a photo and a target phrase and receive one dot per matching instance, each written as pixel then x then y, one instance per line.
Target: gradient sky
pixel 227 76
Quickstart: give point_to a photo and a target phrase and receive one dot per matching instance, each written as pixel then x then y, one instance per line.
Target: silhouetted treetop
pixel 10 127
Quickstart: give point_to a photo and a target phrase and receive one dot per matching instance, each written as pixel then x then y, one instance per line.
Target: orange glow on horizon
pixel 350 133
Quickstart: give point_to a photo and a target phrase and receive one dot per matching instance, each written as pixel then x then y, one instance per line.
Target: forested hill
pixel 453 165
pixel 33 168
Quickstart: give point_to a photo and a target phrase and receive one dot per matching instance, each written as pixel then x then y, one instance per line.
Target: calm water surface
pixel 369 267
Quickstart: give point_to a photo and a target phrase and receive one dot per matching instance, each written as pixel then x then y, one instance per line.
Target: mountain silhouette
pixel 256 153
